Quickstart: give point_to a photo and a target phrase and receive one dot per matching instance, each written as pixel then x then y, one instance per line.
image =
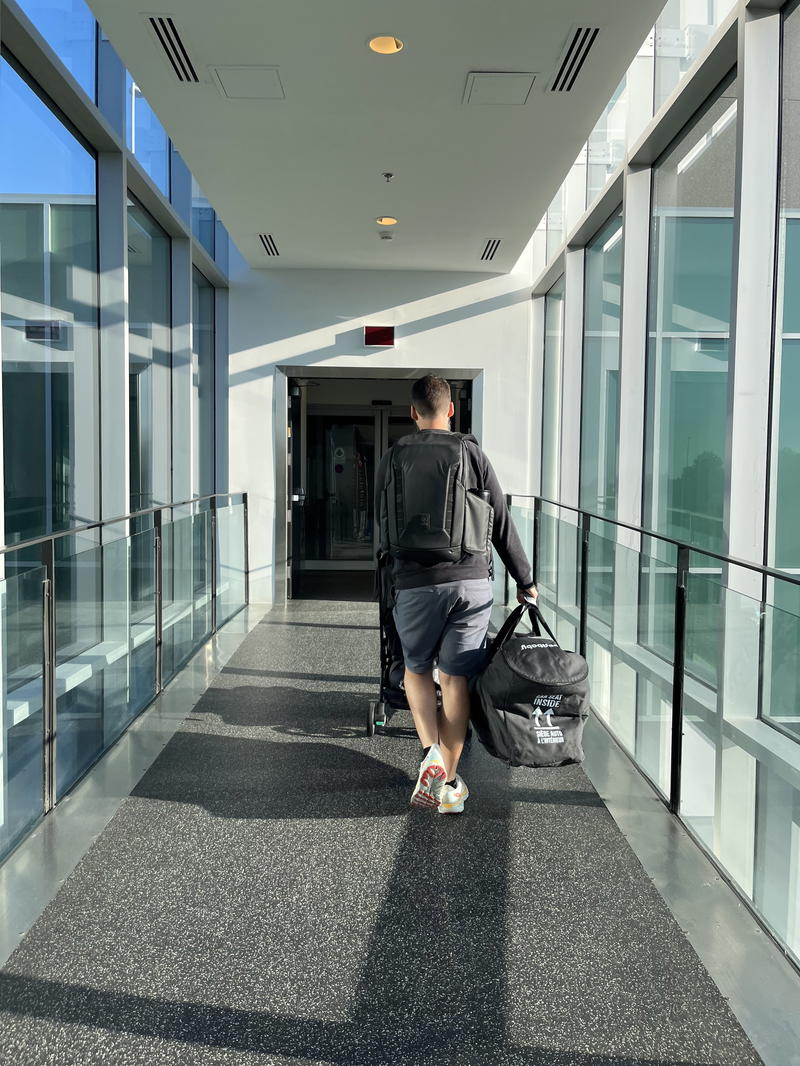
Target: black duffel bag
pixel 531 701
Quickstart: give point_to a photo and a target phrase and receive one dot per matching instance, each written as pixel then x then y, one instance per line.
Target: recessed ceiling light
pixel 386 220
pixel 386 46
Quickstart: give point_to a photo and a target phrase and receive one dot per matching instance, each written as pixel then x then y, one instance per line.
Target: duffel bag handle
pixel 506 631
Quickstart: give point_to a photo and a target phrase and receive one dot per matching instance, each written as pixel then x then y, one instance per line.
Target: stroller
pixel 391 695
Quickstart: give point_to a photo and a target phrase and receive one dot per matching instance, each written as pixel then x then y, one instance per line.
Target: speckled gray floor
pixel 267 896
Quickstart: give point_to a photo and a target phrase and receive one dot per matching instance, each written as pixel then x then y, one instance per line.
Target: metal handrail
pixel 46 546
pixel 100 523
pixel 731 560
pixel 682 577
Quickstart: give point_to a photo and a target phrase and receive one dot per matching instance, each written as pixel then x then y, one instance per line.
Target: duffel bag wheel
pixel 371 718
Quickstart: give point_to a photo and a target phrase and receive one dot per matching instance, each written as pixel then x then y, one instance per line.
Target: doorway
pixel 339 431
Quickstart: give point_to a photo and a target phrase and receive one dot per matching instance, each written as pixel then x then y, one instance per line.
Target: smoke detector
pixel 385 235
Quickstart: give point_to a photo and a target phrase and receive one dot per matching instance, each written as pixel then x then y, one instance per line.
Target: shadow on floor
pixel 512 936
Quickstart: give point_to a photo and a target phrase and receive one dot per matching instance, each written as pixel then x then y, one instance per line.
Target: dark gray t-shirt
pixel 409 575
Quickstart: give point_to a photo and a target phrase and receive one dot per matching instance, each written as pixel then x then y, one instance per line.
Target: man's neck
pixel 434 423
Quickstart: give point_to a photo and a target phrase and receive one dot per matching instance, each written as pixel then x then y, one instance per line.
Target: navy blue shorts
pixel 447 623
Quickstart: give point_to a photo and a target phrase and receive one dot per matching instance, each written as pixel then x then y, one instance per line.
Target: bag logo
pixel 544 706
pixel 541 644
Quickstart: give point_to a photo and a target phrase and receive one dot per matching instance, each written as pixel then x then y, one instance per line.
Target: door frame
pixel 282 539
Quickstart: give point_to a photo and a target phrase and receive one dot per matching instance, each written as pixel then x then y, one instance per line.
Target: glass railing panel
pixel 547 565
pixel 738 795
pixel 22 734
pixel 558 566
pixel 231 577
pixel 600 579
pixel 186 609
pixel 705 619
pixel 781 694
pixel 657 597
pixel 105 645
pixel 640 711
pixel 776 861
pixel 79 672
pixel 129 621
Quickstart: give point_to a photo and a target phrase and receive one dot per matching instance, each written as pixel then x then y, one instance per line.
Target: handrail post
pixel 159 593
pixel 537 530
pixel 506 592
pixel 246 550
pixel 213 505
pixel 679 660
pixel 585 529
pixel 49 676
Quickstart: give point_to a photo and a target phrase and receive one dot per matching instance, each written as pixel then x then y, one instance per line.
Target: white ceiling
pixel 307 169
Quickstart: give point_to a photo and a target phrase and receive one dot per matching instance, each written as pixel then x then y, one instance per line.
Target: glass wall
pixel 551 389
pixel 146 137
pixel 203 424
pixel 601 336
pixel 607 142
pixel 150 381
pixel 600 404
pixel 691 280
pixel 70 29
pixel 555 223
pixel 780 706
pixel 48 270
pixel 683 31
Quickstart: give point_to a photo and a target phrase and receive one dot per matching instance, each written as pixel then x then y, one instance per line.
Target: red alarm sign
pixel 379 336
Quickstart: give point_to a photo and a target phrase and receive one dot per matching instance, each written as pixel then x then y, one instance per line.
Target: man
pixel 442 613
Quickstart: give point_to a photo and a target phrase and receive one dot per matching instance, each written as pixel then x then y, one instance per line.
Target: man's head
pixel 431 406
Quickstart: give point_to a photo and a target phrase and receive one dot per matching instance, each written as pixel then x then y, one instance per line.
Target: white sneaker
pixel 431 780
pixel 452 801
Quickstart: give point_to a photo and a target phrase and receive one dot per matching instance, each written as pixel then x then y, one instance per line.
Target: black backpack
pixel 431 511
pixel 531 701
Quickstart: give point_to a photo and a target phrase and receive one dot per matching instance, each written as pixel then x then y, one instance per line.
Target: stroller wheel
pixel 381 715
pixel 371 718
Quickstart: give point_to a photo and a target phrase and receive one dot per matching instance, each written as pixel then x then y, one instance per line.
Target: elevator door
pixel 342 449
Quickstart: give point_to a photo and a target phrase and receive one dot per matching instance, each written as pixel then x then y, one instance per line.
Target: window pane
pixel 149 297
pixel 691 276
pixel 600 414
pixel 48 268
pixel 551 390
pixel 607 141
pixel 555 223
pixel 783 633
pixel 203 383
pixel 683 30
pixel 203 219
pixel 69 28
pixel 146 137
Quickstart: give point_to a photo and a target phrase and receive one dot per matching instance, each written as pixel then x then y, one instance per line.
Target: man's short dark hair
pixel 431 396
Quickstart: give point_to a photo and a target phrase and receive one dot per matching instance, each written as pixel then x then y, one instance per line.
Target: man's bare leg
pixel 455 718
pixel 421 693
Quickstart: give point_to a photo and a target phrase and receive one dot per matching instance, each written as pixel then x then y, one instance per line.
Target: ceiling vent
pixel 268 243
pixel 573 58
pixel 166 33
pixel 490 249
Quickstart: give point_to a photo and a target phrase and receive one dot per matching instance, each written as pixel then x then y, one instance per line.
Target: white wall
pixel 313 318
